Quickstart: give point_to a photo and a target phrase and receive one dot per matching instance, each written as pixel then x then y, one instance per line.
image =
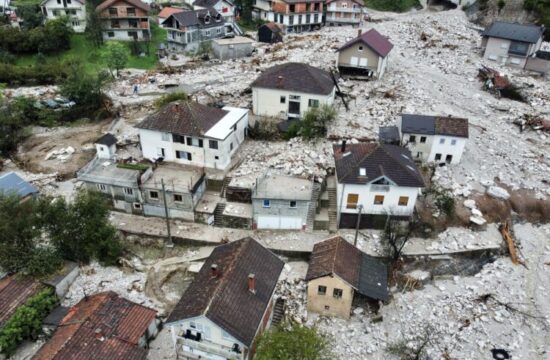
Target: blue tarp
pixel 11 183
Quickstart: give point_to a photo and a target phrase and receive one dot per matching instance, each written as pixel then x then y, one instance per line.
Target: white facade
pixel 282 103
pixel 214 150
pixel 105 152
pixel 226 9
pixel 366 196
pixel 435 148
pixel 74 9
pixel 498 50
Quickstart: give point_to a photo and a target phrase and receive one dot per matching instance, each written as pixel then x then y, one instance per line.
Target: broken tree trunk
pixel 339 92
pixel 505 231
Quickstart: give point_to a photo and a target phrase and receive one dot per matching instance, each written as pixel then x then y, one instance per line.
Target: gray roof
pixel 514 31
pixel 283 188
pixel 101 171
pixel 388 134
pixel 434 125
pixel 373 278
pixel 11 183
pixel 107 140
pixel 294 76
pixel 196 18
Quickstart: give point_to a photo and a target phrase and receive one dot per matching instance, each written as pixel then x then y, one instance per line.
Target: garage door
pixel 279 222
pixel 354 60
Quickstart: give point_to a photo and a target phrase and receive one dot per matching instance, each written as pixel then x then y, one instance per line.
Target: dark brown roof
pixel 296 77
pixel 196 18
pixel 451 126
pixel 15 290
pixel 336 256
pixel 183 118
pixel 374 40
pixel 274 27
pixel 225 299
pixel 137 3
pixel 391 161
pixel 104 326
pixel 434 125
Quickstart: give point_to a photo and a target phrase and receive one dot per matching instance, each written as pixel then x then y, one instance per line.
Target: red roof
pixel 374 40
pixel 167 11
pixel 101 327
pixel 15 290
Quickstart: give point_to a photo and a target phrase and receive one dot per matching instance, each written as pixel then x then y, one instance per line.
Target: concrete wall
pixel 359 51
pixel 538 65
pixel 231 51
pixel 267 102
pixel 419 151
pixel 63 286
pixel 124 34
pixel 280 208
pixel 340 307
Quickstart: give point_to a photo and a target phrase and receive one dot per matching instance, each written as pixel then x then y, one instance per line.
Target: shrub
pixel 443 199
pixel 313 124
pixel 40 74
pixel 171 97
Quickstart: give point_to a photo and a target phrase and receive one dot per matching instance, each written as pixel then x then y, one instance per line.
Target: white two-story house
pixel 228 304
pixel 190 133
pixel 224 7
pixel 434 138
pixel 75 10
pixel 288 90
pixel 374 181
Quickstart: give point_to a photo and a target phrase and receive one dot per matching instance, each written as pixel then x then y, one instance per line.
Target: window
pixel 154 195
pixel 419 154
pixel 442 141
pixel 129 191
pixel 322 290
pixel 133 34
pixel 70 11
pixel 132 23
pixel 412 139
pixel 137 206
pixel 110 34
pixel 403 201
pixel 178 139
pixel 160 152
pixel 422 139
pixel 299 19
pixel 453 142
pixel 337 293
pixel 353 199
pixel 292 204
pixel 294 97
pixel 518 48
pixel 101 187
pixel 315 18
pixel 515 61
pixel 75 23
pixel 131 11
pixel 56 13
pixel 184 155
pixel 68 1
pixel 291 8
pixel 378 199
pixel 113 12
pixel 313 103
pixel 362 172
pixel 437 157
pixel 267 203
pixel 178 198
pixel 283 99
pixel 207 33
pixel 308 18
pixel 218 31
pixel 448 159
pixel 504 45
pixel 165 136
pixel 216 157
pixel 291 20
pixel 213 144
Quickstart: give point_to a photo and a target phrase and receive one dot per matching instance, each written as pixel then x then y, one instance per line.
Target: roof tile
pixel 296 77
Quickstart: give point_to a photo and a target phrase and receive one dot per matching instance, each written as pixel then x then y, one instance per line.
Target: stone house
pixel 366 55
pixel 186 30
pixel 511 43
pixel 288 90
pixel 337 272
pixel 344 12
pixel 293 15
pixel 224 7
pixel 434 138
pixel 374 181
pixel 228 304
pixel 126 20
pixel 189 133
pixel 75 10
pixel 282 202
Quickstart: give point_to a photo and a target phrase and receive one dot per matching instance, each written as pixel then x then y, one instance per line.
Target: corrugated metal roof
pixel 514 31
pixel 15 290
pixel 11 183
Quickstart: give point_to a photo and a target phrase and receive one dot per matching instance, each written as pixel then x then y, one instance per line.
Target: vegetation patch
pixel 393 5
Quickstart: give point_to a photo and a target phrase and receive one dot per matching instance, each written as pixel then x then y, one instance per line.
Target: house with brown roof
pixel 186 132
pixel 344 12
pixel 374 181
pixel 288 90
pixel 102 326
pixel 436 139
pixel 270 33
pixel 337 272
pixel 125 20
pixel 228 304
pixel 364 56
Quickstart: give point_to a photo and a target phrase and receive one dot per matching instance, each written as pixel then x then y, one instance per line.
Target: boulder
pixel 498 193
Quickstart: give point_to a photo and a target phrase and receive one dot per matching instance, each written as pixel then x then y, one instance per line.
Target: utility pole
pixel 170 243
pixel 357 225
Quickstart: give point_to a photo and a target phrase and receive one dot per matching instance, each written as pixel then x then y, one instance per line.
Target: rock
pixel 358 311
pixel 470 204
pixel 478 220
pixel 498 193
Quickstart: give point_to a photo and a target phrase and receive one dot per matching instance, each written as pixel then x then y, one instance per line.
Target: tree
pixel 55 36
pixel 94 24
pixel 85 89
pixel 116 57
pixel 293 342
pixel 171 97
pixel 397 235
pixel 313 123
pixel 31 15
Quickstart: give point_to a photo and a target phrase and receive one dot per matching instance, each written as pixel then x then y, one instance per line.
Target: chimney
pixel 359 32
pixel 252 283
pixel 343 146
pixel 214 270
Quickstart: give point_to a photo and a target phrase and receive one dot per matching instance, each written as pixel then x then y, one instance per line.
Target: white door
pixel 288 222
pixel 354 60
pixel 268 222
pixel 363 62
pixel 279 222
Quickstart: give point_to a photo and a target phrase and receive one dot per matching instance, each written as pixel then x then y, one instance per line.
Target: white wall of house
pixel 447 146
pixel 496 49
pixel 367 194
pixel 74 9
pixel 267 102
pixel 224 8
pixel 212 335
pixel 123 34
pixel 105 152
pixel 382 63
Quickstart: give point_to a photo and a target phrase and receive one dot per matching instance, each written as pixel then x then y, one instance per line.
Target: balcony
pixel 344 10
pixel 195 349
pixel 346 20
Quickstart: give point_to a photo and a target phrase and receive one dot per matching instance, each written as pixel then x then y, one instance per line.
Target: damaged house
pixel 125 20
pixel 13 184
pixel 288 90
pixel 228 304
pixel 374 181
pixel 434 138
pixel 189 133
pixel 337 272
pixel 364 56
pixel 293 15
pixel 224 7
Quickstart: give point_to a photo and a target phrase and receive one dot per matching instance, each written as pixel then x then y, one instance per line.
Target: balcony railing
pixel 343 9
pixel 207 347
pixel 343 19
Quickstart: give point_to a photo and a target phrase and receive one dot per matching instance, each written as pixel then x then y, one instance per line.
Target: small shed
pixel 232 48
pixel 106 146
pixel 270 33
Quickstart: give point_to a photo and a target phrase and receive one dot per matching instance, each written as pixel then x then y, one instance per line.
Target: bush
pixel 44 261
pixel 53 37
pixel 40 74
pixel 443 199
pixel 84 89
pixel 171 97
pixel 26 322
pixel 313 124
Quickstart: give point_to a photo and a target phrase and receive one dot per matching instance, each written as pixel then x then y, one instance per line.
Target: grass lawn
pixel 83 49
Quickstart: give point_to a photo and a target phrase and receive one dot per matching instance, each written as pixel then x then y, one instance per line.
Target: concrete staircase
pixel 278 312
pixel 332 206
pixel 225 184
pixel 315 193
pixel 218 215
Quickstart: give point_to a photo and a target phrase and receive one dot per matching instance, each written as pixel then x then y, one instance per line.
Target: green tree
pixel 293 342
pixel 313 123
pixel 94 24
pixel 83 88
pixel 31 15
pixel 116 57
pixel 55 36
pixel 171 97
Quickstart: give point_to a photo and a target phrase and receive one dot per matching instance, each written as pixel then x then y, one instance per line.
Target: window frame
pixel 377 200
pixel 423 139
pixel 403 203
pixel 350 205
pixel 442 141
pixel 128 191
pixel 412 139
pixel 154 197
pixel 295 204
pixel 321 290
pixel 213 144
pixel 313 103
pixel 337 293
pixel 181 198
pixel 266 203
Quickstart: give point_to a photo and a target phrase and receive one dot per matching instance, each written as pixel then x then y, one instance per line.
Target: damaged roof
pixel 298 77
pixel 336 256
pixel 374 40
pixel 391 161
pixel 434 125
pixel 11 183
pixel 137 3
pixel 184 117
pixel 528 33
pixel 15 290
pixel 197 18
pixel 103 326
pixel 225 298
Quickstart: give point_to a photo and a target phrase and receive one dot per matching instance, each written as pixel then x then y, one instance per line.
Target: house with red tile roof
pixel 166 12
pixel 364 56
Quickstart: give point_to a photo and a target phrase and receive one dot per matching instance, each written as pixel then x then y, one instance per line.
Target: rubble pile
pixel 62 154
